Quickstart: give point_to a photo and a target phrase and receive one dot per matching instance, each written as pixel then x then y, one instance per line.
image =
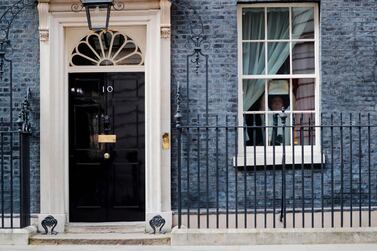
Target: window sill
pixel 261 160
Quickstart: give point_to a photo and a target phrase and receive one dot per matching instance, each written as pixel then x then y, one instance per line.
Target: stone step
pixel 105 228
pixel 100 239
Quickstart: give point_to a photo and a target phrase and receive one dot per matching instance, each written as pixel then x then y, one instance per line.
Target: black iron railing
pixel 15 171
pixel 14 179
pixel 298 170
pixel 14 144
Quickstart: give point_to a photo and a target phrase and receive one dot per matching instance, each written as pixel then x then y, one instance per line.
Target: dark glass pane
pixel 278 23
pixel 253 24
pixel 303 94
pixel 129 55
pixel 118 42
pixel 78 61
pixel 106 40
pixel 95 44
pixel 304 131
pixel 84 49
pixel 303 23
pixel 278 58
pixel 253 58
pixel 134 59
pixel 255 134
pixel 254 95
pixel 303 58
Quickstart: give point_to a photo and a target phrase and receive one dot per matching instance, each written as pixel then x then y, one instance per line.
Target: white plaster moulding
pixel 65 5
pixel 54 143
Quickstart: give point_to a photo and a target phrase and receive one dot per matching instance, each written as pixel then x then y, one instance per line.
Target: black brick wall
pixel 24 53
pixel 348 84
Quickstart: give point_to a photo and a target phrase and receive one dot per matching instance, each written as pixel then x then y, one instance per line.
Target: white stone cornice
pixel 165 6
pixel 65 5
pixel 43 9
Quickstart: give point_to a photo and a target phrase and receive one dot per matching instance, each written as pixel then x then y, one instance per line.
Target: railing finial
pixel 23 120
pixel 178 114
pixel 283 116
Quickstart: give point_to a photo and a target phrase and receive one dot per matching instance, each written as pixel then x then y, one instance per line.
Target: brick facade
pixel 24 41
pixel 348 78
pixel 348 83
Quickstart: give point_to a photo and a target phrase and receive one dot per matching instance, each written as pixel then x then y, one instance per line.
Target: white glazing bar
pixel 273 112
pixel 266 65
pixel 283 76
pixel 265 43
pixel 290 41
pixel 259 5
pixel 281 40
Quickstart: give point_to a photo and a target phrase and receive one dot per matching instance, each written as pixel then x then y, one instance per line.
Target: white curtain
pixel 254 53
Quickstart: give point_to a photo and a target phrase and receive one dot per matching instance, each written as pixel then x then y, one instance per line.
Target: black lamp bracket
pixel 117 5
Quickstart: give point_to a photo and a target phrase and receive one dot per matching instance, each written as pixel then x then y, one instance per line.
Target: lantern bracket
pixel 78 6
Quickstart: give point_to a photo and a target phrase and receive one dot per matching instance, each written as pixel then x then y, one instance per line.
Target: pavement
pixel 335 247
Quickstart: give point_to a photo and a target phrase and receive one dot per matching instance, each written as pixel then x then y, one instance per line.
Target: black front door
pixel 106 147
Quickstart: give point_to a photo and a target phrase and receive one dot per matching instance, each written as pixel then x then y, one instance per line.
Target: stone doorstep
pixel 238 237
pixel 102 234
pixel 100 239
pixel 16 236
pixel 105 228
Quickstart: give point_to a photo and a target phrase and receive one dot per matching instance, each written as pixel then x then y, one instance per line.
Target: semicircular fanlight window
pixel 106 48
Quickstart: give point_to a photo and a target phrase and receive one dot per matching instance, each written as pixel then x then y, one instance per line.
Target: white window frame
pixel 245 155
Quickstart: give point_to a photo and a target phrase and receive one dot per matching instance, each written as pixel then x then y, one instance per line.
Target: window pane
pixel 302 23
pixel 304 131
pixel 278 23
pixel 278 58
pixel 253 58
pixel 276 135
pixel 303 94
pixel 253 24
pixel 255 135
pixel 253 95
pixel 303 58
pixel 278 95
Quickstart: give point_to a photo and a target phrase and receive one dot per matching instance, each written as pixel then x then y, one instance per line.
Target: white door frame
pixel 54 111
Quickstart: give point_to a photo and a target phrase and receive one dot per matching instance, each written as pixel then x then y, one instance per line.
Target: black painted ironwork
pixel 91 6
pixel 14 144
pixel 49 223
pixel 157 223
pixel 317 199
pixel 15 159
pixel 116 5
pixel 197 59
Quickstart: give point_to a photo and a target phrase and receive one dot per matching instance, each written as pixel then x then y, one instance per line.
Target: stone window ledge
pixel 261 160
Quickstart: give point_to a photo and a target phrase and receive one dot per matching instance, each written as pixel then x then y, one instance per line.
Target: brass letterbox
pixel 104 138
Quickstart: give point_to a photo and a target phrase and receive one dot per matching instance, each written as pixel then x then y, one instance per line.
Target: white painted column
pixel 49 181
pixel 162 196
pixel 166 104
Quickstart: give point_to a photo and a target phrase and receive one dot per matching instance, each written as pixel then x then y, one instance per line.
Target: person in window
pixel 278 98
